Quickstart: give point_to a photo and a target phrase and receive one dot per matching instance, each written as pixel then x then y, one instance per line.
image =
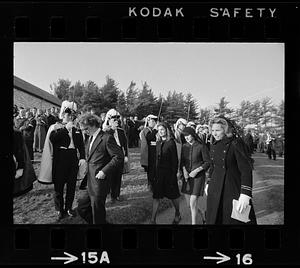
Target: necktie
pixel 90 142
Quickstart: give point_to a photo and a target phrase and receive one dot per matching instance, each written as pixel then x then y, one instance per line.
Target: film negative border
pixel 98 22
pixel 126 244
pixel 185 22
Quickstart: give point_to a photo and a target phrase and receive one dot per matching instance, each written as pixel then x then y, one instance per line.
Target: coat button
pixel 224 151
pixel 223 167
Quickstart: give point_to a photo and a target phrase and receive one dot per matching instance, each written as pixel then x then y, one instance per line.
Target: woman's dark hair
pixel 90 120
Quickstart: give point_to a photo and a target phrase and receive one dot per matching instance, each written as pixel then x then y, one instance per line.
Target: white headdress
pixel 191 123
pixel 180 121
pixel 67 104
pixel 150 116
pixel 108 116
pixel 198 127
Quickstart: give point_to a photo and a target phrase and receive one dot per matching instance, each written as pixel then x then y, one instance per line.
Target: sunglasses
pixel 115 117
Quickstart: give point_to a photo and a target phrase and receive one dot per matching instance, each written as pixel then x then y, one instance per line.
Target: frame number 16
pixel 246 259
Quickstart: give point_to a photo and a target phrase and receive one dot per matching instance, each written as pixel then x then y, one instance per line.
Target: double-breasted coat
pixel 230 176
pixel 192 157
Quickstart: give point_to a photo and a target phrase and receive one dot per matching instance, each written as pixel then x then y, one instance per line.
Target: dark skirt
pixel 24 184
pixel 193 186
pixel 165 185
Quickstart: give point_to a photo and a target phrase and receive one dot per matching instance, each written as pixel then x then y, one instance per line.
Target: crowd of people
pixel 196 160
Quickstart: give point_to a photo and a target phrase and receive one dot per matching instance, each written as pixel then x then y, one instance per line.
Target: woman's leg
pixel 176 206
pixel 155 205
pixel 187 199
pixel 193 205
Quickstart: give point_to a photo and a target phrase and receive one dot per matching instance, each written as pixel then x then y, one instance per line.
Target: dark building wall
pixel 23 99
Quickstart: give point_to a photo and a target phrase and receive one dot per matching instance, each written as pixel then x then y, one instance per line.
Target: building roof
pixel 35 91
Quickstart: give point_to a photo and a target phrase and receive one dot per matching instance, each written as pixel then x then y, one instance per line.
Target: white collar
pixel 96 133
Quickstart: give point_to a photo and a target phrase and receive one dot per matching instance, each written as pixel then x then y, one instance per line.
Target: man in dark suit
pixel 103 157
pixel 85 137
pixel 66 140
pixel 113 127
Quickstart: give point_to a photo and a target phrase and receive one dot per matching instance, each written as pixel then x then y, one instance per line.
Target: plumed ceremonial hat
pixel 151 116
pixel 191 123
pixel 67 107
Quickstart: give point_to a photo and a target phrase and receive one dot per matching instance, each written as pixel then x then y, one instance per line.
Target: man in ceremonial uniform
pixel 148 147
pixel 68 154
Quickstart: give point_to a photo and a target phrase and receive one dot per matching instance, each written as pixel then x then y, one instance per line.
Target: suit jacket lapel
pixel 95 144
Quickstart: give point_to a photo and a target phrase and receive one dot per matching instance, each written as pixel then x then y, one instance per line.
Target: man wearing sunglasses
pixel 112 126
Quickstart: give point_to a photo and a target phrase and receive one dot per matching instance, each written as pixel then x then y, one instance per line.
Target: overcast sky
pixel 238 71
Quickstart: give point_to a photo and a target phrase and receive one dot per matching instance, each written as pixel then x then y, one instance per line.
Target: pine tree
pixel 222 108
pixel 146 102
pixel 61 89
pixel 191 107
pixel 110 93
pixel 92 98
pixel 121 105
pixel 131 98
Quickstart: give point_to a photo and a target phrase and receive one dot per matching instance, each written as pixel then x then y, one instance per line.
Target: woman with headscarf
pixel 195 161
pixel 230 177
pixel 165 182
pixel 112 124
pixel 148 147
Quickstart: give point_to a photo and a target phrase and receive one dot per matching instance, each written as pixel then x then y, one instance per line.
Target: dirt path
pixel 267 195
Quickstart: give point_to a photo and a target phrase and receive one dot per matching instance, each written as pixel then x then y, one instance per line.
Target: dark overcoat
pixel 25 183
pixel 230 175
pixel 60 138
pixel 104 155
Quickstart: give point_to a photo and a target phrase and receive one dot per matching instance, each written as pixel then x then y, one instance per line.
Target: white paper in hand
pixel 243 217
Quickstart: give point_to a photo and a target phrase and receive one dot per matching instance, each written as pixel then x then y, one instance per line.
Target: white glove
pixel 81 162
pixel 100 175
pixel 15 161
pixel 243 202
pixel 185 174
pixel 125 159
pixel 206 189
pixel 19 173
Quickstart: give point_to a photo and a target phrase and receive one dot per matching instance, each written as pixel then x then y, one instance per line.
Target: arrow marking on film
pixel 221 259
pixel 68 259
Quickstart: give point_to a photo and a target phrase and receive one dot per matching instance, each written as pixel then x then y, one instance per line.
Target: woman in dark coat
pixel 194 162
pixel 165 183
pixel 24 173
pixel 231 177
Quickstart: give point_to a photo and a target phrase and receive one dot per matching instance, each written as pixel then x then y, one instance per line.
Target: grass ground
pixel 268 189
pixel 37 206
